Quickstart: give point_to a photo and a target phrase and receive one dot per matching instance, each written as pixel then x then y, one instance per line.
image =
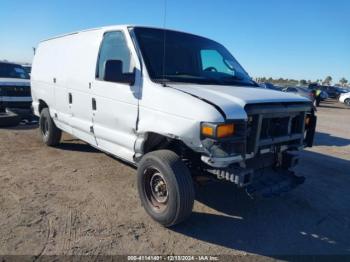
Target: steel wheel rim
pixel 156 189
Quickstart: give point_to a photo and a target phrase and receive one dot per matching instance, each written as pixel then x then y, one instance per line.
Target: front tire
pixel 165 187
pixel 50 134
pixel 347 101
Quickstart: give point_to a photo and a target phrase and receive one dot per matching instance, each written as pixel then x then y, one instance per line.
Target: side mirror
pixel 114 73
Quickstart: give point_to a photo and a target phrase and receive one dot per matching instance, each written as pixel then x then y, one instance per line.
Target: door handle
pixel 70 98
pixel 93 104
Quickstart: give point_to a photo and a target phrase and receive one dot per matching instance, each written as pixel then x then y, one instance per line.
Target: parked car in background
pixel 15 95
pixel 270 86
pixel 331 91
pixel 199 114
pixel 345 98
pixel 341 90
pixel 300 91
pixel 324 95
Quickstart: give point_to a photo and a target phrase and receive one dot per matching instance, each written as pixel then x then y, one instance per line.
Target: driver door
pixel 115 105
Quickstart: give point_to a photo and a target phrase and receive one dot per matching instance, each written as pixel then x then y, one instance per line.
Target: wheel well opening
pixel 42 105
pixel 155 141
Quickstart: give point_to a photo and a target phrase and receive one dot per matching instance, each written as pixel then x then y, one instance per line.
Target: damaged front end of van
pixel 261 152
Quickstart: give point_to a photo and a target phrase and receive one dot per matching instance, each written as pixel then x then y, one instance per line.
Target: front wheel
pixel 165 187
pixel 50 134
pixel 347 101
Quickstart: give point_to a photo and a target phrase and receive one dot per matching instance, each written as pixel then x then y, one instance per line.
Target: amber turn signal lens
pixel 225 130
pixel 207 131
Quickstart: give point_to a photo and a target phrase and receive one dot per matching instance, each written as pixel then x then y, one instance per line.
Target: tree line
pixel 328 81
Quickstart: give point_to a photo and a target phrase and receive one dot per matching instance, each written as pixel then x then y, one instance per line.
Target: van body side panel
pixel 64 78
pixel 63 71
pixel 48 83
pixel 174 114
pixel 81 56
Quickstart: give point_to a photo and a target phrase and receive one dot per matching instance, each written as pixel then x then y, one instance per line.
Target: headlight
pixel 224 139
pixel 222 130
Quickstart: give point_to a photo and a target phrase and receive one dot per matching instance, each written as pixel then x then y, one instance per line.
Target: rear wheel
pixel 50 134
pixel 165 187
pixel 347 101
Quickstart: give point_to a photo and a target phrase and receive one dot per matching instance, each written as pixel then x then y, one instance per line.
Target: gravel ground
pixel 74 199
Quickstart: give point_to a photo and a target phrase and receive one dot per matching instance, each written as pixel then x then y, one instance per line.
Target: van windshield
pixel 8 70
pixel 188 59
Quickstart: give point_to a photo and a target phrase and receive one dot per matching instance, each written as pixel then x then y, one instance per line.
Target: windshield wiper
pixel 195 79
pixel 191 79
pixel 238 80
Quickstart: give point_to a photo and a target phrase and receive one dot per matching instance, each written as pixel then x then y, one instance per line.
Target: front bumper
pixel 265 176
pixel 243 175
pixel 269 128
pixel 221 162
pixel 24 113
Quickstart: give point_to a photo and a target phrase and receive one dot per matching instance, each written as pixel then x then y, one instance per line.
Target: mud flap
pixel 269 183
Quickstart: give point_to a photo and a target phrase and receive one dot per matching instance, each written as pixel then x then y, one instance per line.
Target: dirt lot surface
pixel 75 200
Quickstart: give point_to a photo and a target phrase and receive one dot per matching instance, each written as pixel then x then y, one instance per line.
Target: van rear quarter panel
pixel 45 68
pixel 62 65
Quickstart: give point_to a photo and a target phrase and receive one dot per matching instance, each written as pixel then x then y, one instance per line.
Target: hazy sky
pixel 278 38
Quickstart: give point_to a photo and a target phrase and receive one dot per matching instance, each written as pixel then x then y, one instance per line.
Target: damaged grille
pixel 274 127
pixel 275 124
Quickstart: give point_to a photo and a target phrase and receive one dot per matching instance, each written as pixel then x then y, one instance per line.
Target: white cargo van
pixel 176 105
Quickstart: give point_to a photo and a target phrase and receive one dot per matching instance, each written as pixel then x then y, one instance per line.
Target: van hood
pixel 14 82
pixel 232 99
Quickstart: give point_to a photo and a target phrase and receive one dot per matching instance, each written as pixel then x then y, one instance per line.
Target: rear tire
pixel 50 134
pixel 9 118
pixel 165 187
pixel 347 101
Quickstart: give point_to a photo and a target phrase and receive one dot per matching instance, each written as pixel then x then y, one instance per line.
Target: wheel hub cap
pixel 159 188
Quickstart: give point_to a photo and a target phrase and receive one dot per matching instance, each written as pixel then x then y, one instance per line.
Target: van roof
pixel 86 30
pixel 110 27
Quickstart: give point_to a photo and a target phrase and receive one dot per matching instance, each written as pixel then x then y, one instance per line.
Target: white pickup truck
pixel 176 105
pixel 15 97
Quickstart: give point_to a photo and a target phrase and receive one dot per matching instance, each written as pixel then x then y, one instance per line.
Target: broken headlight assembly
pixel 224 139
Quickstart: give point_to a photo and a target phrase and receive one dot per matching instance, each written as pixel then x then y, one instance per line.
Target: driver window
pixel 213 61
pixel 114 47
